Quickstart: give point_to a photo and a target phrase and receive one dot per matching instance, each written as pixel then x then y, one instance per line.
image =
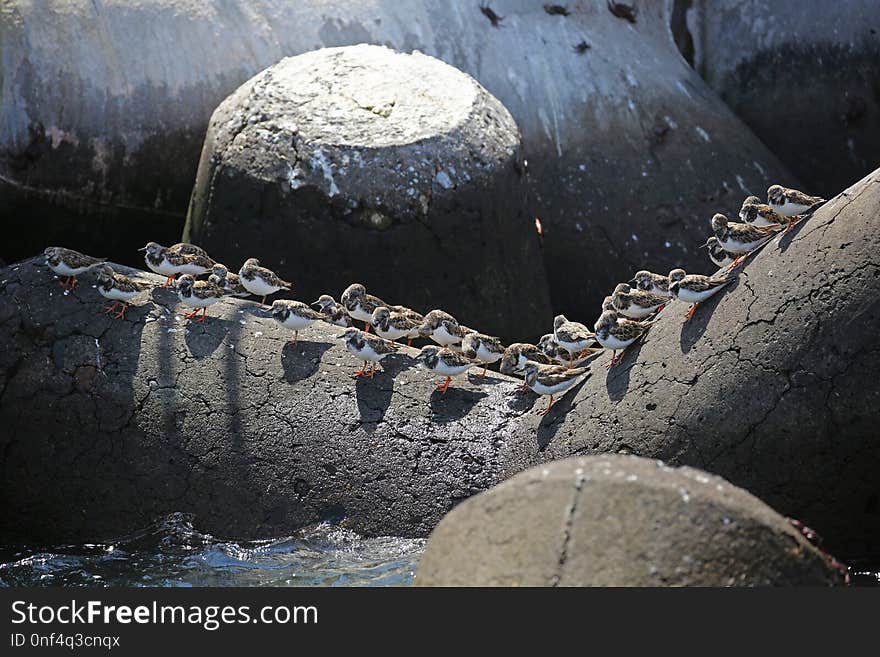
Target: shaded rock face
pixel 629 153
pixel 106 425
pixel 619 521
pixel 812 95
pixel 362 164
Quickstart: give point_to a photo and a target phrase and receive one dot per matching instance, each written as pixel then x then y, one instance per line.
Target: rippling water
pixel 174 553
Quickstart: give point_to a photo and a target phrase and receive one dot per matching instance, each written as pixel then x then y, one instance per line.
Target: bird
pixel 198 295
pixel 552 379
pixel 69 263
pixel 442 328
pixel 361 305
pixel 760 214
pixel 516 355
pixel 483 348
pixel 790 202
pixel 260 281
pixel 740 239
pixel 334 312
pixel 393 325
pixel 559 356
pixel 368 348
pixel 119 288
pixel 572 336
pixel 695 288
pixel 617 334
pixel 411 315
pixel 548 345
pixel 717 254
pixel 635 303
pixel 651 282
pixel 182 258
pixel 294 315
pixel 607 303
pixel 445 362
pixel 229 282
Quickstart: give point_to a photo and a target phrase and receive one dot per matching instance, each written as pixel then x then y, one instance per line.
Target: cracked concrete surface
pixel 616 520
pixel 108 424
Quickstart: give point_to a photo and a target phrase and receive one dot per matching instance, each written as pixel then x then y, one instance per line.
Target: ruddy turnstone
pixel 198 295
pixel 790 202
pixel 741 239
pixel 260 281
pixel 718 255
pixel 607 304
pixel 393 325
pixel 651 282
pixel 182 258
pixel 368 348
pixel 552 379
pixel 334 312
pixel 445 362
pixel 294 315
pixel 695 288
pixel 572 336
pixel 635 303
pixel 69 263
pixel 442 328
pixel 119 288
pixel 361 305
pixel 485 349
pixel 760 214
pixel 516 355
pixel 230 282
pixel 617 334
pixel 550 347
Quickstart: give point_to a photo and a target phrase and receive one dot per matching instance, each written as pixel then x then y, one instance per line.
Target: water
pixel 173 553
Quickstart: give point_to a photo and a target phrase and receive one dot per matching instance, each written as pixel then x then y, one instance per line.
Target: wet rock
pixel 364 164
pixel 619 521
pixel 812 95
pixel 629 153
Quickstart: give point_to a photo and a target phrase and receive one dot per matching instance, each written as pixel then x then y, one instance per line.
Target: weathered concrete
pixel 619 521
pixel 395 170
pixel 105 425
pixel 629 151
pixel 803 75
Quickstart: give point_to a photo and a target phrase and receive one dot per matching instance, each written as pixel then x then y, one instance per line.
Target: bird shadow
pixel 617 378
pixel 300 361
pixel 203 338
pixel 394 364
pixel 521 399
pixel 454 404
pixel 373 398
pixel 551 423
pixel 694 328
pixel 787 237
pixel 489 380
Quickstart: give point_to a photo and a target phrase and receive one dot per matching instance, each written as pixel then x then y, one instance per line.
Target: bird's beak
pixel 315 303
pixel 631 282
pixel 703 246
pixel 143 248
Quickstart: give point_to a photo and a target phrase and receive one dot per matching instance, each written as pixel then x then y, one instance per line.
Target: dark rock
pixel 811 93
pixel 620 521
pixel 771 385
pixel 364 164
pixel 109 122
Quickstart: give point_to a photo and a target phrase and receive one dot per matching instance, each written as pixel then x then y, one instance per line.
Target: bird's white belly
pixel 164 268
pixel 360 314
pixel 636 312
pixel 486 356
pixel 659 290
pixel 367 353
pixel 391 334
pixel 116 294
pixel 192 269
pixel 689 296
pixel 63 270
pixel 614 343
pixel 443 337
pixel 257 286
pixel 572 347
pixel 789 209
pixel 297 323
pixel 447 370
pixel 557 389
pixel 196 302
pixel 734 246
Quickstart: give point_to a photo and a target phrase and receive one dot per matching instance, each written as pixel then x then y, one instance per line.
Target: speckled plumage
pixel 442 328
pixel 634 303
pixel 739 238
pixel 69 263
pixel 119 288
pixel 229 282
pixel 651 282
pixel 334 312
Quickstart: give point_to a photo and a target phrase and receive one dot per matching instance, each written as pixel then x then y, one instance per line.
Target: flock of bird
pixel 550 367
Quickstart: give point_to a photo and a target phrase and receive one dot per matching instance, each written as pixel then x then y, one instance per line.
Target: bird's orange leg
pixel 110 309
pixel 293 342
pixel 547 410
pixel 366 327
pixel 570 360
pixel 263 302
pixel 611 363
pixel 662 306
pixel 409 342
pixel 361 371
pixel 373 371
pixel 121 313
pixel 169 281
pixel 443 387
pixel 201 320
pixel 483 375
pixel 192 314
pixel 690 313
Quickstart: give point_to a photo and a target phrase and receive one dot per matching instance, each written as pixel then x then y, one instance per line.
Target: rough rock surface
pixel 629 152
pixel 812 95
pixel 108 424
pixel 363 164
pixel 616 520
